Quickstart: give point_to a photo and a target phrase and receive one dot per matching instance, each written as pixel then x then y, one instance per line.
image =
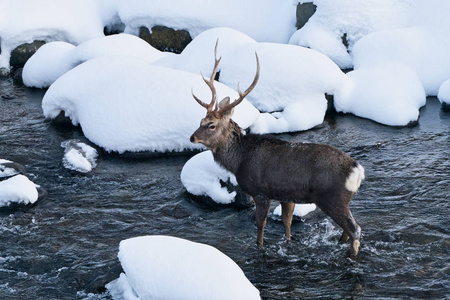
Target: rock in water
pixel 79 156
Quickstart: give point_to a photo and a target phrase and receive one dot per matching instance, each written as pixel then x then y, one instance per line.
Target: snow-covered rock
pixel 9 169
pixel 264 20
pixel 164 267
pixel 56 58
pixel 78 156
pixel 293 79
pixel 201 176
pixel 18 189
pixel 444 93
pixel 140 107
pixel 414 47
pixel 73 21
pixel 318 38
pixel 390 94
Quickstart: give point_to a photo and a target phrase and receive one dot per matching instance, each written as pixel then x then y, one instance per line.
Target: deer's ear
pixel 226 101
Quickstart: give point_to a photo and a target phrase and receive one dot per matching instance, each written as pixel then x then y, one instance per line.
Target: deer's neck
pixel 229 153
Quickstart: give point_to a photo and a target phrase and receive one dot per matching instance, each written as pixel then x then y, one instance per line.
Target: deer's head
pixel 217 125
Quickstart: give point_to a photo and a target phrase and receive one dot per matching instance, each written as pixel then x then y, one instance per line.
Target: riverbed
pixel 65 246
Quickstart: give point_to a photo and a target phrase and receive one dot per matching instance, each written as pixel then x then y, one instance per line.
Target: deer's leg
pixel 344 237
pixel 287 211
pixel 262 210
pixel 343 217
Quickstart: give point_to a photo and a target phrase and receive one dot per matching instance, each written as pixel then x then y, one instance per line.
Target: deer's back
pixel 295 172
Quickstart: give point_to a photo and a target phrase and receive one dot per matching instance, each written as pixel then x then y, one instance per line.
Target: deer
pixel 267 168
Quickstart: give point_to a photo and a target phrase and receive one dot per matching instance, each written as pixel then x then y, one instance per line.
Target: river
pixel 65 246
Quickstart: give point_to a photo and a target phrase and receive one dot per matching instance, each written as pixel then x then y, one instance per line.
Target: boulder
pixel 165 38
pixel 304 12
pixel 22 53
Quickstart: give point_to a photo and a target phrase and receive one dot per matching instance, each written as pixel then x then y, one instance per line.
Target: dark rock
pixel 330 104
pixel 445 106
pixel 114 29
pixel 304 12
pixel 165 38
pixel 17 77
pixel 22 53
pixel 345 40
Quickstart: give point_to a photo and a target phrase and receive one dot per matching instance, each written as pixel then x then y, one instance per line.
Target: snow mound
pixel 444 92
pixel 201 176
pixel 293 79
pixel 164 267
pixel 356 18
pixel 300 210
pixel 390 94
pixel 318 38
pixel 17 189
pixel 54 59
pixel 140 107
pixel 264 20
pixel 79 156
pixel 414 47
pixel 24 21
pixel 198 56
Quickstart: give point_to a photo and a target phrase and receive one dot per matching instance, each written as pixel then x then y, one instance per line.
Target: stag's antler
pixel 213 104
pixel 210 83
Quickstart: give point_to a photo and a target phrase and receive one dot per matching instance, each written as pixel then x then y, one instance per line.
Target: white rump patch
pixel 354 179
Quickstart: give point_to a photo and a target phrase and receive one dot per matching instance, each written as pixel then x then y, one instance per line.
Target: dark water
pixel 65 246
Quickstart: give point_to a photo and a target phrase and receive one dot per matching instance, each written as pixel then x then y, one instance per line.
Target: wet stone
pixel 22 53
pixel 166 39
pixel 304 12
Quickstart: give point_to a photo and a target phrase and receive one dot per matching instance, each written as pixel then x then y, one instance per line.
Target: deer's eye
pixel 212 127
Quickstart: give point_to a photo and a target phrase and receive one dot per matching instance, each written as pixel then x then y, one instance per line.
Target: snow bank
pixel 317 37
pixel 390 94
pixel 300 210
pixel 201 176
pixel 163 267
pixel 72 21
pixel 198 56
pixel 353 18
pixel 54 59
pixel 293 79
pixel 18 189
pixel 264 20
pixel 414 47
pixel 444 92
pixel 79 156
pixel 139 107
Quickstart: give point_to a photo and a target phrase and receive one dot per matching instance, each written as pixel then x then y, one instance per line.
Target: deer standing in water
pixel 268 168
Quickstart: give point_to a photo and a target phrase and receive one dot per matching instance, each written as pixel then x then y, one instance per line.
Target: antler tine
pixel 199 101
pixel 210 82
pixel 242 95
